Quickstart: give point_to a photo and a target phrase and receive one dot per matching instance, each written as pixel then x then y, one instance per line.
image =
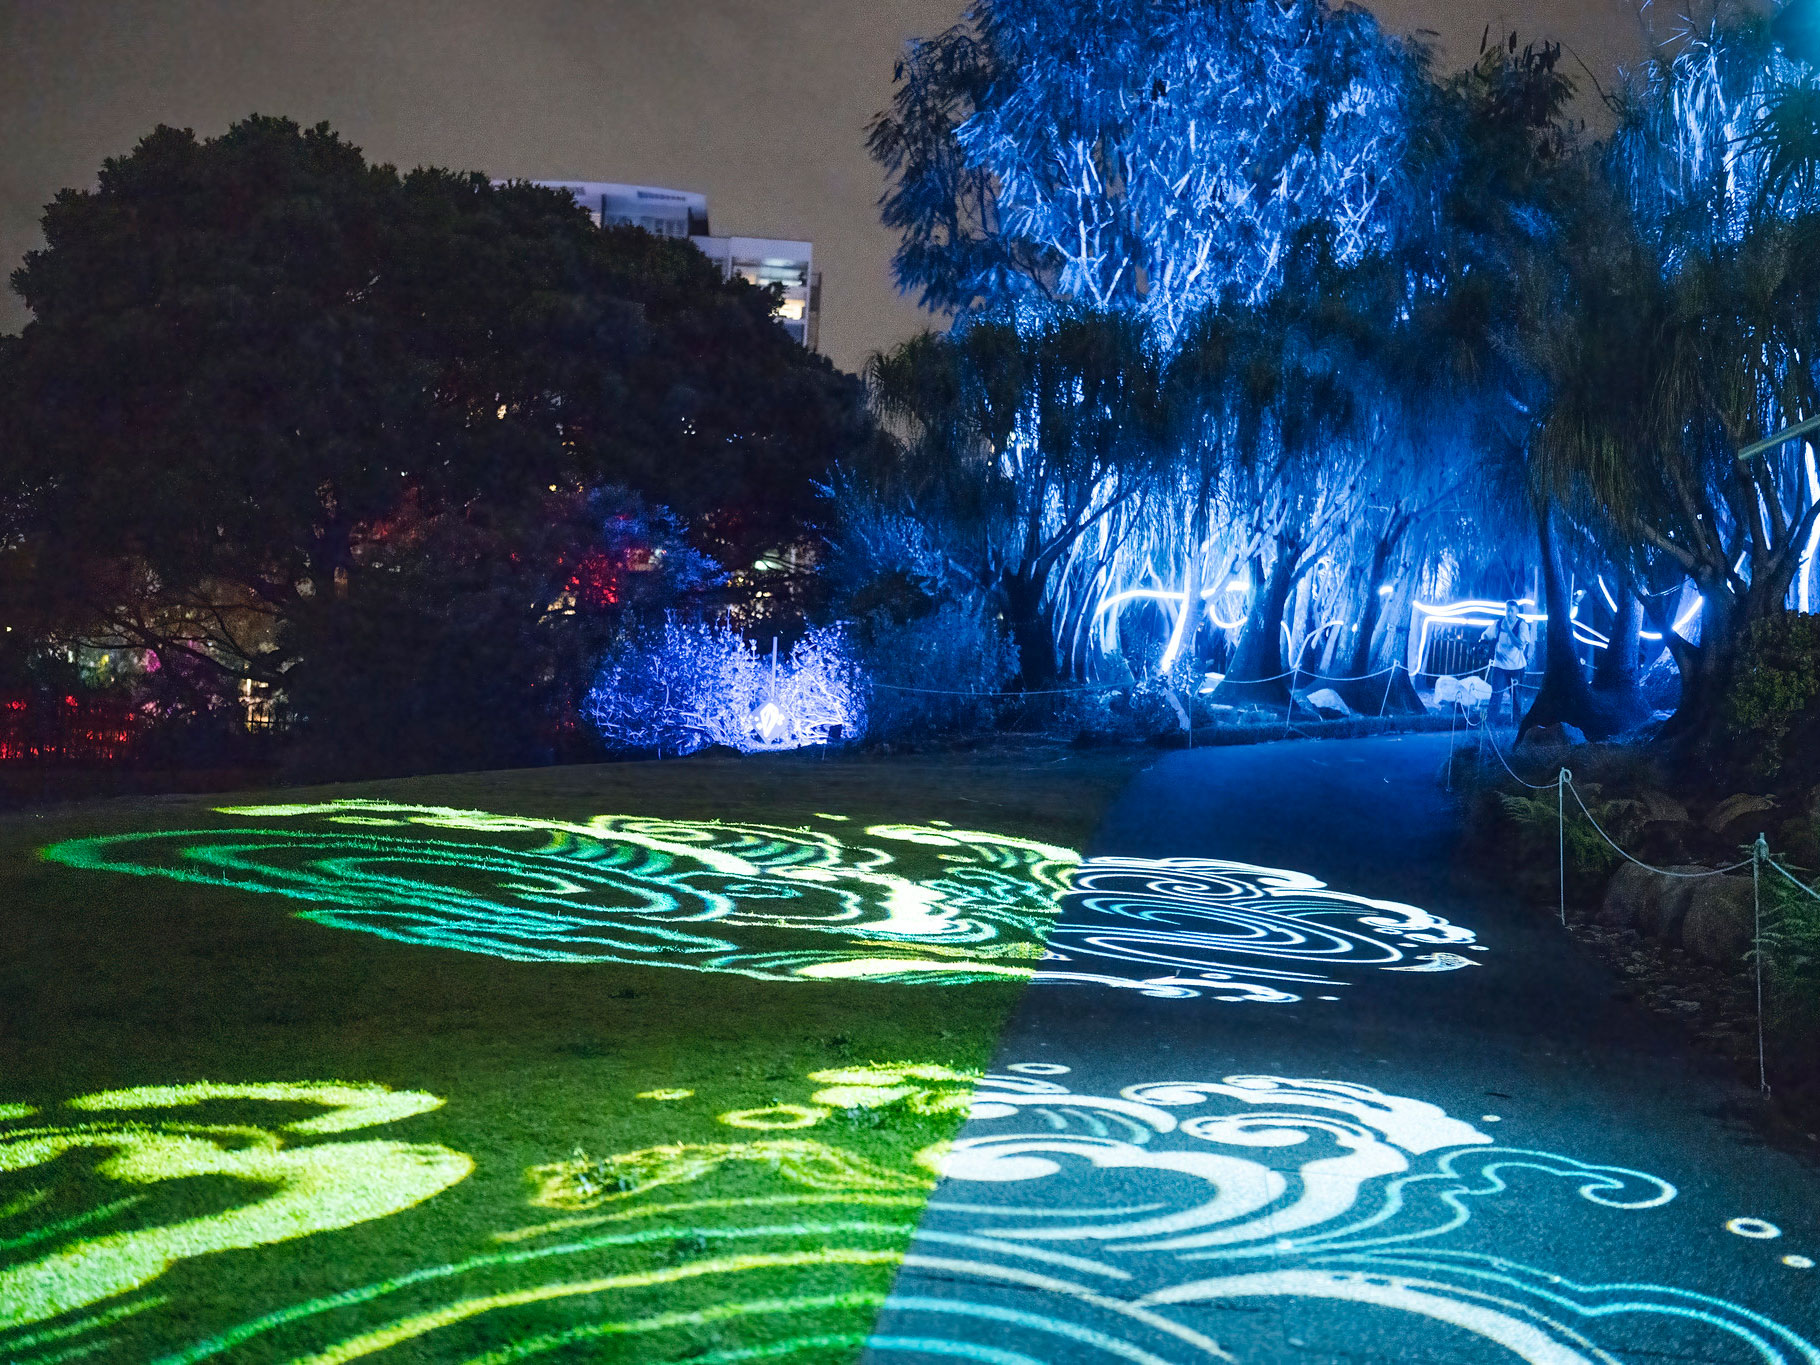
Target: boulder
pixel 1329 703
pixel 1721 920
pixel 1648 901
pixel 1740 819
pixel 1627 895
pixel 1667 842
pixel 1659 805
pixel 1560 735
pixel 1666 913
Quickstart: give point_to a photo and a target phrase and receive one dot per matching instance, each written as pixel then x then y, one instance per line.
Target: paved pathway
pixel 1330 1130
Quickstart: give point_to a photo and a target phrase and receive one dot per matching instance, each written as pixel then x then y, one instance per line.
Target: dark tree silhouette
pixel 247 354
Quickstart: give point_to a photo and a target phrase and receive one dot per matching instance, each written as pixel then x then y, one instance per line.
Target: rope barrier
pixel 1564 783
pixel 1561 781
pixel 1125 687
pixel 1359 677
pixel 1038 692
pixel 1793 879
pixel 1275 677
pixel 1660 871
pixel 1759 851
pixel 1486 733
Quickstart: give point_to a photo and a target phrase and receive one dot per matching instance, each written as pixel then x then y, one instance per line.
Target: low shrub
pixel 938 672
pixel 1791 953
pixel 692 685
pixel 1770 715
pixel 1536 816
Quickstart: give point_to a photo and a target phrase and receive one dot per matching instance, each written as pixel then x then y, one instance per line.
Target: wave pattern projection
pixel 1186 927
pixel 796 1250
pixel 104 1200
pixel 929 904
pixel 1134 1216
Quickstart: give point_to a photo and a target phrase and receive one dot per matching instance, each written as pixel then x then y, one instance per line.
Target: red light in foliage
pixel 100 731
pixel 596 581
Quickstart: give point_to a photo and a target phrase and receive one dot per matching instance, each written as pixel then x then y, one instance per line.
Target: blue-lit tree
pixel 696 684
pixel 1019 436
pixel 1507 178
pixel 1140 156
pixel 1683 330
pixel 1166 163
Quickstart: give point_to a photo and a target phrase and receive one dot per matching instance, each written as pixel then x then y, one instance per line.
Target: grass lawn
pixel 463 1068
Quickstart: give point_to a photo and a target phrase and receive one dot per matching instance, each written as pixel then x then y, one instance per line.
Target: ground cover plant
pixel 356 1071
pixel 1677 912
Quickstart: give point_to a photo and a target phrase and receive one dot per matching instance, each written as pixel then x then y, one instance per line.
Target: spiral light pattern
pixel 928 904
pixel 1180 927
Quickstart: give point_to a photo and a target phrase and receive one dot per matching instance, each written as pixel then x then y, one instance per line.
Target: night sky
pixel 758 103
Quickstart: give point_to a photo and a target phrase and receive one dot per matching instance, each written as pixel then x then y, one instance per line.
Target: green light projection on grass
pixel 631 1239
pixel 273 1188
pixel 906 903
pixel 580 1183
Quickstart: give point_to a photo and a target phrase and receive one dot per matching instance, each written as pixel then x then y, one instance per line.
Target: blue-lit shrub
pixel 695 685
pixel 942 671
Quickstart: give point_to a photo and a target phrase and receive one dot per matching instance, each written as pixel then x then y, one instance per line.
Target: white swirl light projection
pixel 926 904
pixel 1131 1215
pixel 1233 931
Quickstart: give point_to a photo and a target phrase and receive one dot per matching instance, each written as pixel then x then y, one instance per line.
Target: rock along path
pixel 1241 1116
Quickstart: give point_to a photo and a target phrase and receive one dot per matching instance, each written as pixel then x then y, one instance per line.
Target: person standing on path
pixel 1510 655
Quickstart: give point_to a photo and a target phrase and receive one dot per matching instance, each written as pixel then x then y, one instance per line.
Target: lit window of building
pixel 763 261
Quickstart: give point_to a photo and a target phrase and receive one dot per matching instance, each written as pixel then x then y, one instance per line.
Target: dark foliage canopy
pixel 246 350
pixel 266 385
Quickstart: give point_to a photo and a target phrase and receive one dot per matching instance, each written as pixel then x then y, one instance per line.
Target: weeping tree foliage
pixel 1301 480
pixel 1661 376
pixel 1718 136
pixel 1019 434
pixel 1162 163
pixel 1504 174
pixel 1389 321
pixel 1682 326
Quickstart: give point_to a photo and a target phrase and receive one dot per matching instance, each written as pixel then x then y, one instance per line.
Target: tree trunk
pixel 1709 668
pixel 1186 631
pixel 1071 640
pixel 1030 630
pixel 1617 666
pixel 1255 673
pixel 1372 609
pixel 1566 696
pixel 1338 647
pixel 1706 668
pixel 1184 639
pixel 1615 676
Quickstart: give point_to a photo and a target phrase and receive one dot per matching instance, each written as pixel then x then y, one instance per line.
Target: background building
pixel 680 213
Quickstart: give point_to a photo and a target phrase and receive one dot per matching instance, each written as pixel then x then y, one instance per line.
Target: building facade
pixel 680 213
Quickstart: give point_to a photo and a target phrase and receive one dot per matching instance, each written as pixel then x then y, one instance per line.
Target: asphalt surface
pixel 1240 1117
